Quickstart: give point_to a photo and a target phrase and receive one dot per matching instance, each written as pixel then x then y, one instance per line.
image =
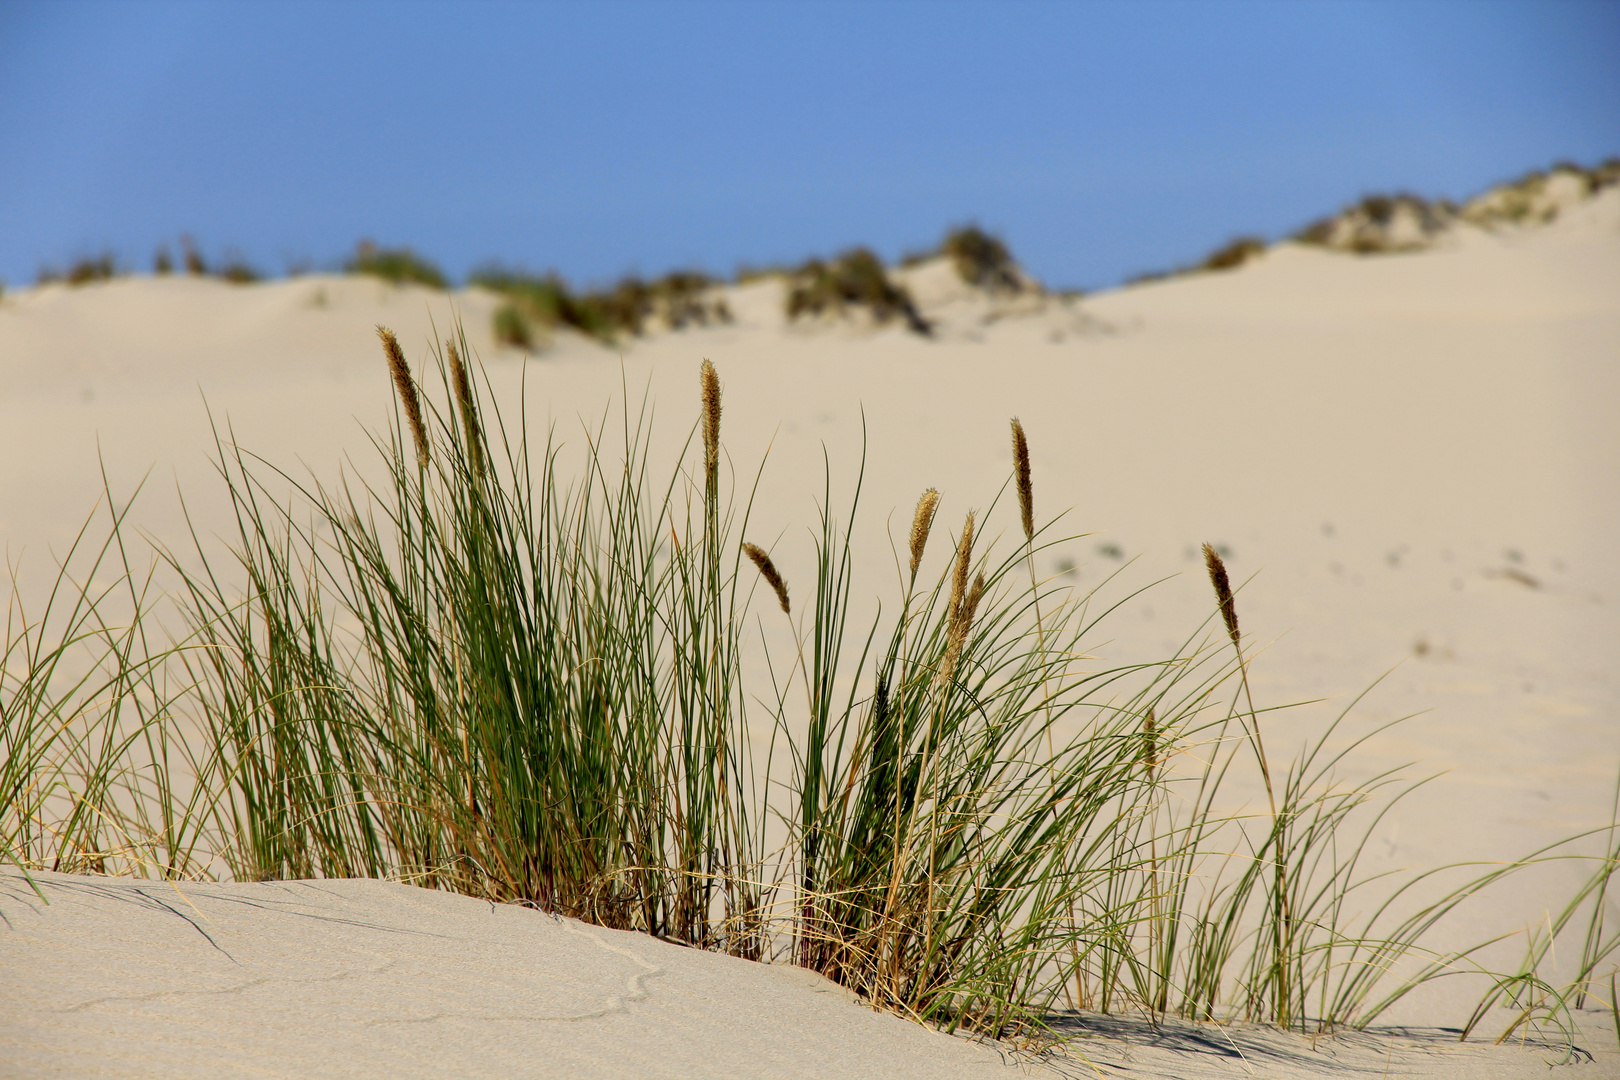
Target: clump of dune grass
pixel 238 271
pixel 497 675
pixel 748 273
pixel 1228 256
pixel 537 305
pixel 396 265
pixel 84 271
pixel 510 328
pixel 981 259
pixel 1234 254
pixel 105 267
pixel 94 776
pixel 853 282
pixel 1381 224
pixel 194 262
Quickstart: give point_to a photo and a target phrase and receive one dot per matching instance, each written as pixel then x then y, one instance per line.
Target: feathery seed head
pixel 1150 743
pixel 469 412
pixel 964 559
pixel 961 623
pixel 1223 591
pixel 767 570
pixel 1026 497
pixel 922 522
pixel 406 387
pixel 964 620
pixel 711 416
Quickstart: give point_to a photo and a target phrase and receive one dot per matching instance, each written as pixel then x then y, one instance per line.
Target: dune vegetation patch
pixel 523 680
pixel 1382 224
pixel 82 271
pixel 1538 197
pixel 1234 254
pixel 853 284
pixel 397 266
pixel 106 267
pixel 982 260
pixel 535 306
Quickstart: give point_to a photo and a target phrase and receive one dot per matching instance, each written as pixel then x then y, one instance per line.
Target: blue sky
pixel 1100 139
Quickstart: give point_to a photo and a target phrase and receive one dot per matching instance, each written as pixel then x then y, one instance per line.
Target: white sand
pixel 375 979
pixel 1416 455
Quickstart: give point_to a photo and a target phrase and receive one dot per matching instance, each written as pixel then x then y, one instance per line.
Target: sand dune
pixel 1415 456
pixel 366 978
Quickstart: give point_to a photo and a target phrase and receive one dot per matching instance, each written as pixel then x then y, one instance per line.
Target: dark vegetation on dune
pixel 539 673
pixel 396 265
pixel 105 267
pixel 856 284
pixel 537 305
pixel 854 281
pixel 1383 223
pixel 982 260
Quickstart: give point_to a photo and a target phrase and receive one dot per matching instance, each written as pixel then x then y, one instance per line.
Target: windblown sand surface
pixel 367 978
pixel 1414 456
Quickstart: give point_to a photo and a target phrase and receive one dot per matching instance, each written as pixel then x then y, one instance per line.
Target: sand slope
pixel 119 978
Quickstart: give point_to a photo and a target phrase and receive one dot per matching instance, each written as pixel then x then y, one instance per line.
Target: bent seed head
pixel 768 571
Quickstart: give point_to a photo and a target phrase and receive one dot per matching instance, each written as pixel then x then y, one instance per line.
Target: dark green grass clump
pixel 855 281
pixel 396 265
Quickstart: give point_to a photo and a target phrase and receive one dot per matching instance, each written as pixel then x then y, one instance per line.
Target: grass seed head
pixel 961 623
pixel 1150 742
pixel 468 408
pixel 1026 497
pixel 711 416
pixel 406 386
pixel 768 571
pixel 964 559
pixel 1223 591
pixel 922 522
pixel 964 620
